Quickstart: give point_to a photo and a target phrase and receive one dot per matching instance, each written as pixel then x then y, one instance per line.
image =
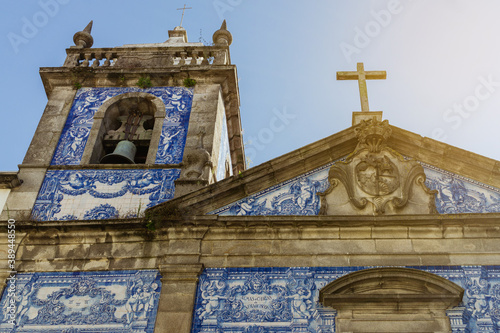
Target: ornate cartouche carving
pixel 375 179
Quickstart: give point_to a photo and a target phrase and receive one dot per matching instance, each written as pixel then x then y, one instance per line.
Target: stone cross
pixel 362 76
pixel 183 9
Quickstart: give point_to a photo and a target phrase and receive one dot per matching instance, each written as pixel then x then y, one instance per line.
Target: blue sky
pixel 442 59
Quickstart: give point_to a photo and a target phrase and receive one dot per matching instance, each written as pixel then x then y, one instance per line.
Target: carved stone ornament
pixel 196 164
pixel 375 179
pixel 9 180
pixel 196 161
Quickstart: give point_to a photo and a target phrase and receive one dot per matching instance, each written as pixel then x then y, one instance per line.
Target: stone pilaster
pixel 178 292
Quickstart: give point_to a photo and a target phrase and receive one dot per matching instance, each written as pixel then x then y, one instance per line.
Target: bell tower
pixel 129 127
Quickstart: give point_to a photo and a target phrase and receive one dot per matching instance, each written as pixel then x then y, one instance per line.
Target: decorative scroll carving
pixel 375 179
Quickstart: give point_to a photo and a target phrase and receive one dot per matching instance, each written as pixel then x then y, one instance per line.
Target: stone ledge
pixel 188 272
pixel 492 220
pixel 9 180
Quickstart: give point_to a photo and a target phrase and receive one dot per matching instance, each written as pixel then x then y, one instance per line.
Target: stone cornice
pixel 9 180
pixel 446 157
pixel 489 220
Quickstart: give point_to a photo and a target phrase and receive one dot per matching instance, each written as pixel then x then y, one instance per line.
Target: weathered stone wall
pixel 263 242
pixel 179 249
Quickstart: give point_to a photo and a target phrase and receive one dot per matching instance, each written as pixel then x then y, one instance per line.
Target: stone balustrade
pixel 147 57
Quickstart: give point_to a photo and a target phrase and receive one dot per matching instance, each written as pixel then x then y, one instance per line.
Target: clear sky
pixel 442 59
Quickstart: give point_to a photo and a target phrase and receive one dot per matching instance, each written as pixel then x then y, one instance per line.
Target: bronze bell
pixel 124 153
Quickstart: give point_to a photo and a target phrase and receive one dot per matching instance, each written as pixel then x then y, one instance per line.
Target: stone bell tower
pixel 126 128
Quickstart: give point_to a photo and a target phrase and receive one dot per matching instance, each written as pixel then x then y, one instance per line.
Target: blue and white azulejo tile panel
pixel 80 302
pixel 456 194
pixel 284 299
pixel 102 194
pixel 175 126
pixel 296 196
pixel 177 100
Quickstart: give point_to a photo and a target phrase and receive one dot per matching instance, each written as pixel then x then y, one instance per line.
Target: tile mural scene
pixel 297 196
pixel 282 299
pixel 102 194
pixel 119 301
pixel 457 194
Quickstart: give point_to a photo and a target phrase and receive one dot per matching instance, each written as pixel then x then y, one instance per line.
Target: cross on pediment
pixel 362 76
pixel 183 10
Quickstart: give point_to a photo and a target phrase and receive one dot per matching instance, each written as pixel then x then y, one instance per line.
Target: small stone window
pixel 126 130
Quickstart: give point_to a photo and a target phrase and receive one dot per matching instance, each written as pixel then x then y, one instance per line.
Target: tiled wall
pixel 293 197
pixel 74 136
pixel 102 194
pixel 456 194
pixel 286 299
pixel 79 302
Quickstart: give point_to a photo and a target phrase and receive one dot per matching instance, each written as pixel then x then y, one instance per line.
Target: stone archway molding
pixel 391 299
pixel 97 129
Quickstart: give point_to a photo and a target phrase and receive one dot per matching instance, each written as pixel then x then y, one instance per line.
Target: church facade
pixel 133 211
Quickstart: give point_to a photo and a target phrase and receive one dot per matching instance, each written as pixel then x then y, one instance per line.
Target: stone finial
pixel 222 36
pixel 83 39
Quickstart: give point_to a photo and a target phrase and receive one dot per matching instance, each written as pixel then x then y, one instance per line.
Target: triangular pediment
pixel 461 181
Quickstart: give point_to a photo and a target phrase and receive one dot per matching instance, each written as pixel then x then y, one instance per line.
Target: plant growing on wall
pixel 188 83
pixel 144 82
pixel 79 75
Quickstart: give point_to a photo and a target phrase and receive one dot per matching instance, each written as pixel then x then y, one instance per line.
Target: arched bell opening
pixel 126 130
pixel 129 123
